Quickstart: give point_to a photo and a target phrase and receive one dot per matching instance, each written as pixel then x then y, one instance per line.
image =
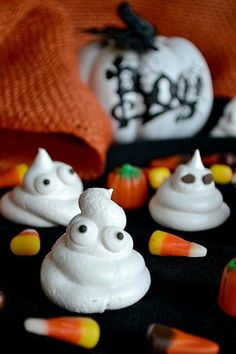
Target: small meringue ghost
pixel 226 126
pixel 189 200
pixel 47 197
pixel 93 266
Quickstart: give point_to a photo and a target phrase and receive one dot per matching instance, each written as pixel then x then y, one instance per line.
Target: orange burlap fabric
pixel 43 102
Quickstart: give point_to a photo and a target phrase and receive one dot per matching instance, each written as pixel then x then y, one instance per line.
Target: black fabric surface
pixel 183 292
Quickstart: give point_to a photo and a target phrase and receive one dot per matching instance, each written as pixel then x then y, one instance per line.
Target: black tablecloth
pixel 183 292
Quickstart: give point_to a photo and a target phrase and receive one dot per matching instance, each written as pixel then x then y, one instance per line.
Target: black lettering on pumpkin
pixel 183 94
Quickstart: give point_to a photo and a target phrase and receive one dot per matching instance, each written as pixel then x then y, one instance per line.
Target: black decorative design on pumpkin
pixel 183 94
pixel 122 90
pixel 138 34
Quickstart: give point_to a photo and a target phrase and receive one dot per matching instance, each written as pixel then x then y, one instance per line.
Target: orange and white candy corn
pixel 165 244
pixel 27 243
pixel 13 176
pixel 82 331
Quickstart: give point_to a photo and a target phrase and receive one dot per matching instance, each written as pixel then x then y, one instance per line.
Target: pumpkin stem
pixel 128 171
pixel 136 23
pixel 232 264
pixel 139 36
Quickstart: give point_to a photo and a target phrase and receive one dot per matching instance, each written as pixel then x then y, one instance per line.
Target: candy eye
pixel 114 239
pixel 67 174
pixel 82 229
pixel 207 179
pixel 84 232
pixel 189 178
pixel 120 236
pixel 45 184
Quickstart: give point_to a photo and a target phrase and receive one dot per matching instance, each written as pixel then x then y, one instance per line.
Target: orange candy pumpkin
pixel 227 298
pixel 130 187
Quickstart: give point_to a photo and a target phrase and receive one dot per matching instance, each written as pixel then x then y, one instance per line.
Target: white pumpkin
pixel 151 94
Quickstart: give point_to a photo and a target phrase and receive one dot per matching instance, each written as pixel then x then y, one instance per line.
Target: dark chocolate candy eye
pixel 207 179
pixel 46 182
pixel 189 178
pixel 120 236
pixel 83 228
pixel 72 171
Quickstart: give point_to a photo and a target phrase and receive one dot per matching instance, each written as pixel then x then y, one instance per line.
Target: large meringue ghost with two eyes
pixel 93 266
pixel 47 197
pixel 189 200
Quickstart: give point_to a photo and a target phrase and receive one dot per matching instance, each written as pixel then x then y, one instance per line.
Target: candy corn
pixel 209 160
pixel 27 243
pixel 173 161
pixel 164 244
pixel 82 331
pixel 157 175
pixel 222 174
pixel 166 340
pixel 224 158
pixel 227 294
pixel 170 162
pixel 13 176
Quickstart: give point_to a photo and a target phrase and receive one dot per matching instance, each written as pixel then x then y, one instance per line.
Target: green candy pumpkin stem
pixel 232 264
pixel 128 171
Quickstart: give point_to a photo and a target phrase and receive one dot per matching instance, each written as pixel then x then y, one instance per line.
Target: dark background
pixel 183 292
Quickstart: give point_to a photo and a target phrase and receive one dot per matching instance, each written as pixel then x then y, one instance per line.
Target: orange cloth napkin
pixel 42 100
pixel 43 103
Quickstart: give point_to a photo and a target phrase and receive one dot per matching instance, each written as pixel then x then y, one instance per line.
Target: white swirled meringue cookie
pixel 47 197
pixel 189 200
pixel 93 266
pixel 226 125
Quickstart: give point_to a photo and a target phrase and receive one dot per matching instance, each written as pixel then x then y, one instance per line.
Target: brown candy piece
pixel 189 178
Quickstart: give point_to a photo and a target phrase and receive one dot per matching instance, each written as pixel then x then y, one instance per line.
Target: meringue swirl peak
pixel 189 200
pixel 48 195
pixel 93 266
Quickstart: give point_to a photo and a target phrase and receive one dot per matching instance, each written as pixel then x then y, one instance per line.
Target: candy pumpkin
pixel 130 187
pixel 152 86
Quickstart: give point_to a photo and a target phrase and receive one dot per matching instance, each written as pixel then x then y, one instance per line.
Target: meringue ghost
pixel 47 197
pixel 226 126
pixel 93 266
pixel 188 200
